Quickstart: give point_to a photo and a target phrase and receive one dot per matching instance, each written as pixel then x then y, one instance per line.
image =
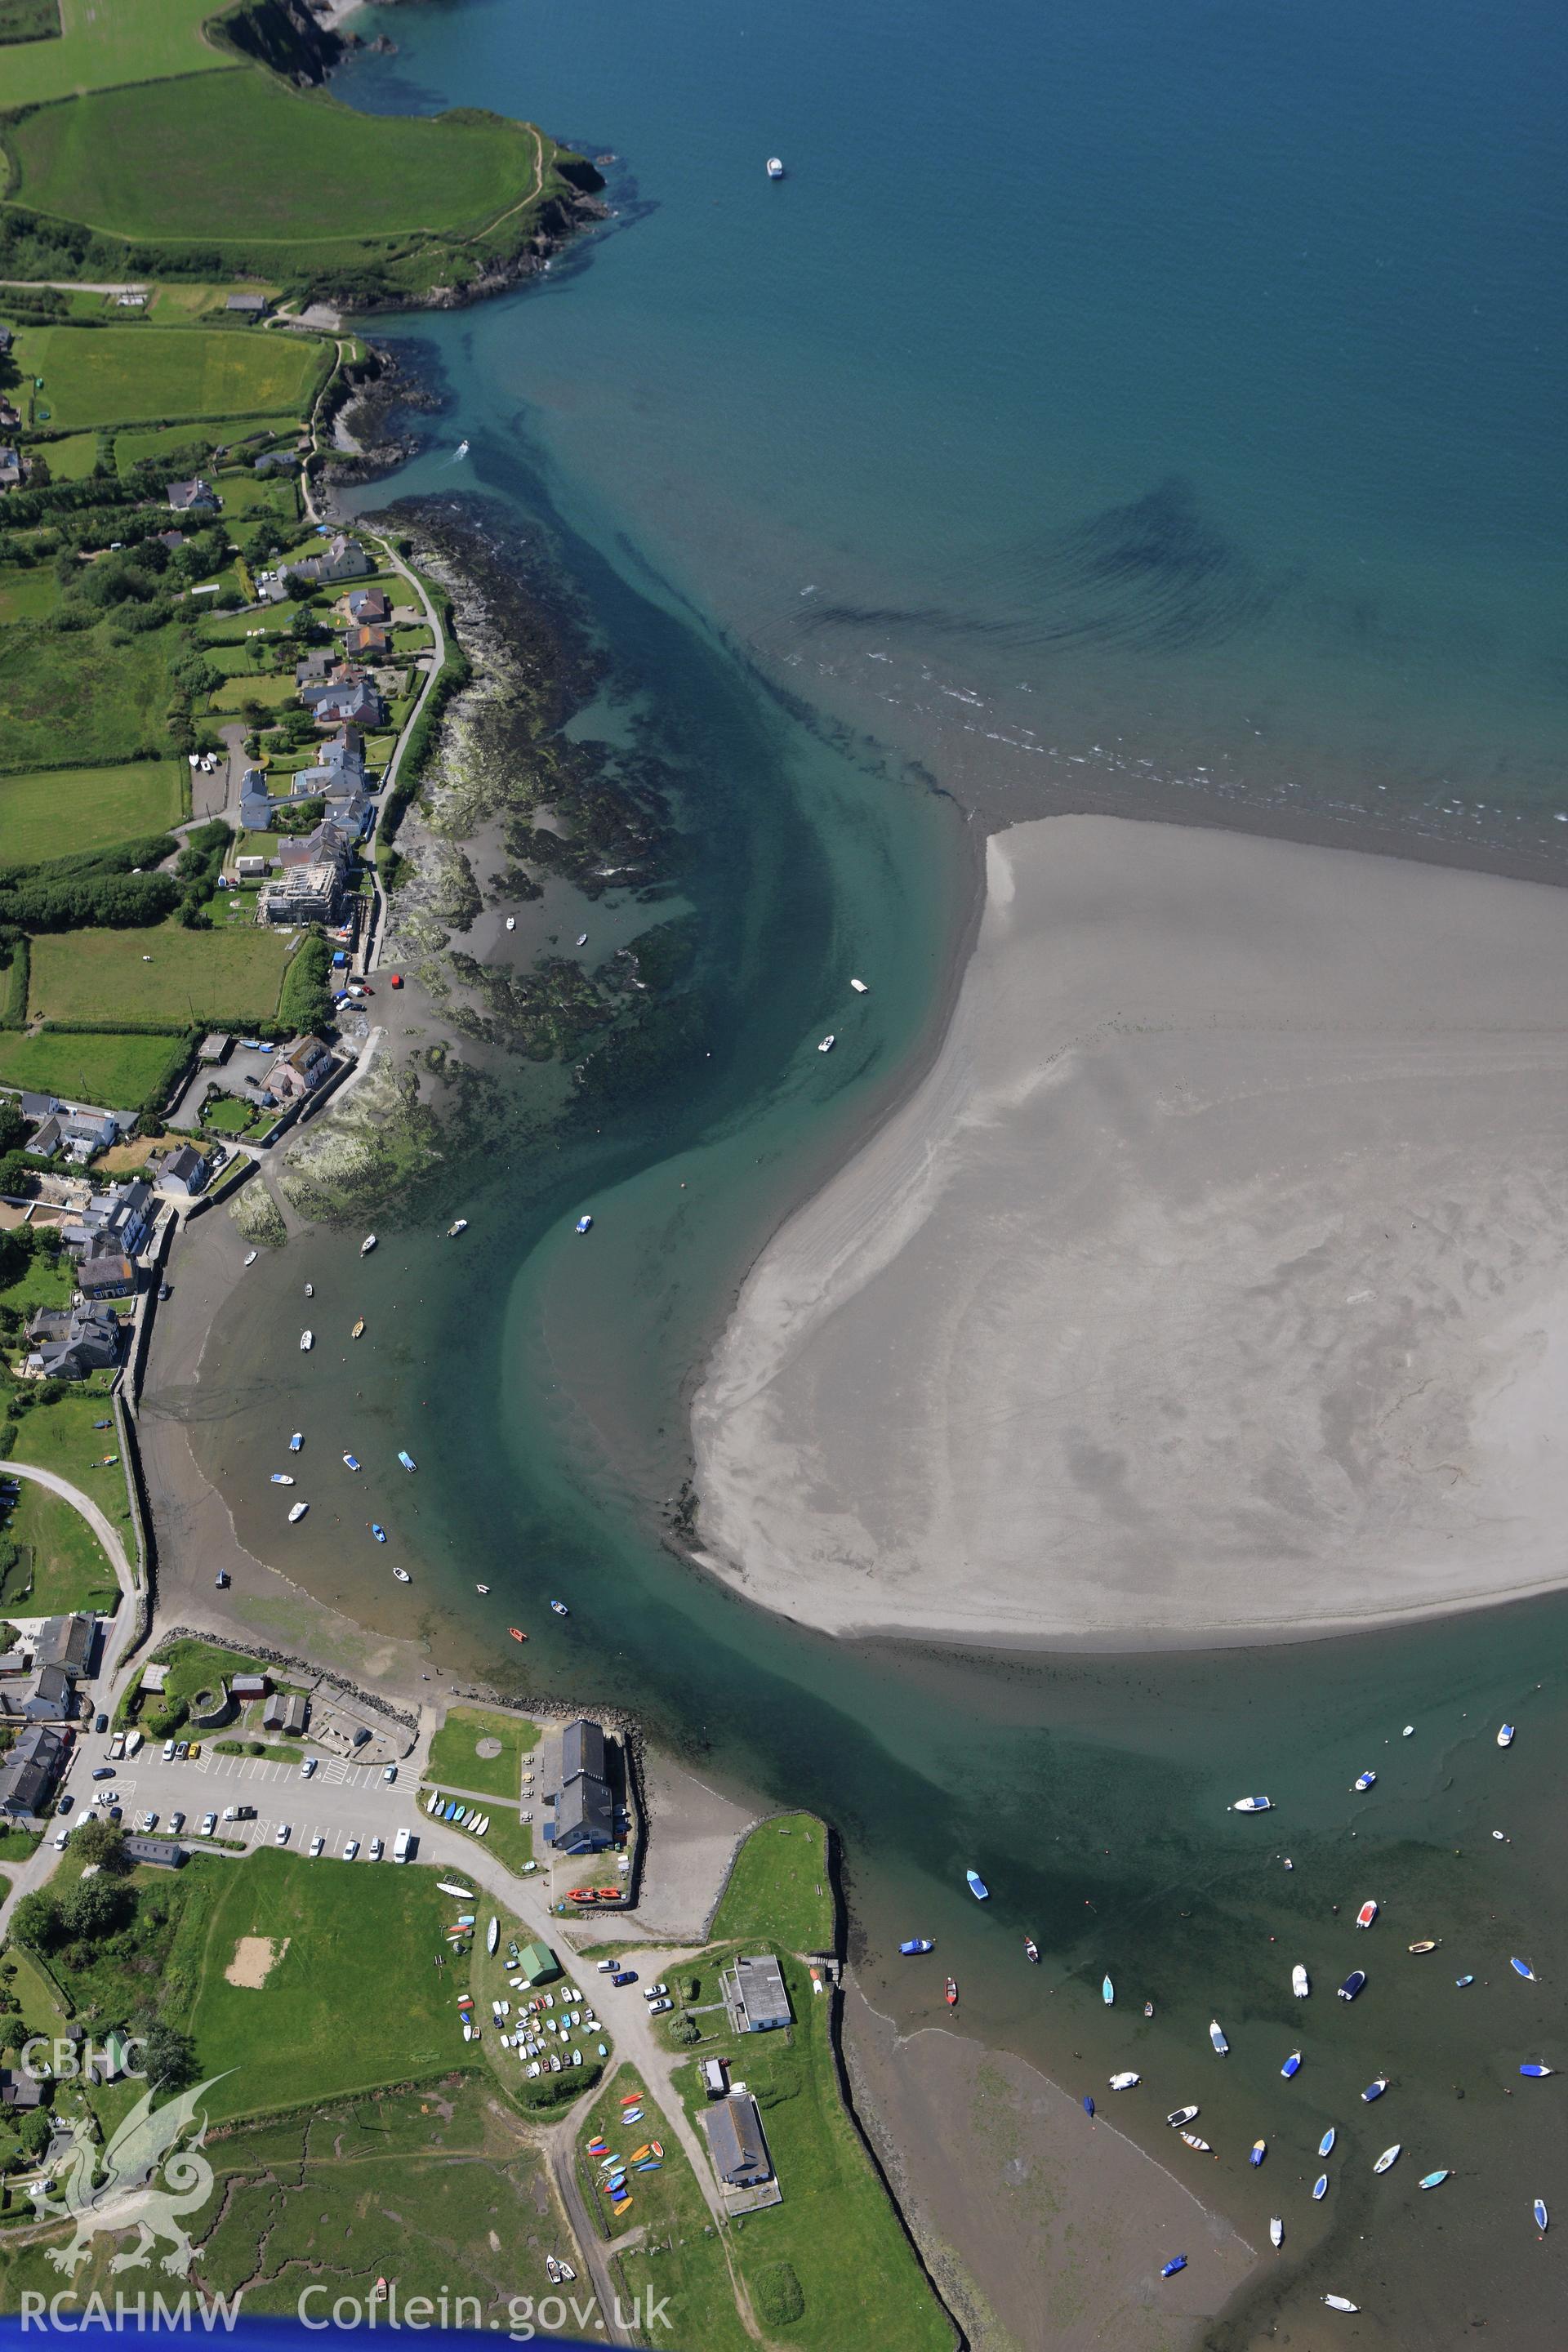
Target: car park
pixel 280 1835
pixel 209 1824
pixel 657 2008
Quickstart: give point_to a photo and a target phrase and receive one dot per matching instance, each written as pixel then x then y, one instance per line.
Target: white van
pixel 401 1844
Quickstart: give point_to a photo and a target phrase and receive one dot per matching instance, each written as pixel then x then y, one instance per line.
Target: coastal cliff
pixel 287 35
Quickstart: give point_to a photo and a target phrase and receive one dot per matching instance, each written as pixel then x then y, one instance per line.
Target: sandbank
pixel 1212 1284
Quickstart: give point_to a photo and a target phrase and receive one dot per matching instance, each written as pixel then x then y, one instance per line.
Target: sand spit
pixel 1213 1285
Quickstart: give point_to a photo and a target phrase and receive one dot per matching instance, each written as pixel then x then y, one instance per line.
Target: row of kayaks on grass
pixel 462 1817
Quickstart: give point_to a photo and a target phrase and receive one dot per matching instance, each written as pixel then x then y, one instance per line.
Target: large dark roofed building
pixel 585 1808
pixel 735 2137
pixel 28 1773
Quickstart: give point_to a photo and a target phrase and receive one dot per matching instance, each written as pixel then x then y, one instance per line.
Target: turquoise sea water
pixel 1179 382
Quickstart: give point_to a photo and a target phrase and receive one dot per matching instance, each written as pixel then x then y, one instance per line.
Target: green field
pixel 119 1072
pixel 453 1760
pixel 109 41
pixel 82 697
pixel 152 440
pixel 62 1565
pixel 55 811
pixel 45 1281
pixel 197 976
pixel 154 163
pixel 27 592
pixel 62 1437
pixel 778 1886
pixel 124 376
pixel 72 458
pixel 355 2000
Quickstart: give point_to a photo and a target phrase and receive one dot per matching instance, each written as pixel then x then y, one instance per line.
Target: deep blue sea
pixel 1114 390
pixel 1159 405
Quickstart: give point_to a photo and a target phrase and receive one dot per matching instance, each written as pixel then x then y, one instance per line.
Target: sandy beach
pixel 1212 1286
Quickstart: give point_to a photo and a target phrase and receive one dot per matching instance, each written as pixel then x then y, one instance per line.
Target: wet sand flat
pixel 1214 1283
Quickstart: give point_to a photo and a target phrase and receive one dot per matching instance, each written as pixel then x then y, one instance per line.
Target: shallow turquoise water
pixel 1179 382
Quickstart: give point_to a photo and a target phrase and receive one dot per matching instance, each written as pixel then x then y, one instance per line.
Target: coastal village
pixel 224 1870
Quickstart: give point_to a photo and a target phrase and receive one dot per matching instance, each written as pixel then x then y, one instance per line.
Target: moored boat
pixel 296 1442
pixel 1191 2139
pixel 378 1531
pixel 977 1886
pixel 861 987
pixel 1537 2072
pixel 950 1992
pixel 776 168
pixel 1253 1805
pixel 1539 2209
pixel 1367 1914
pixel 1352 1984
pixel 458 1225
pixel 1375 2088
pixel 1363 1780
pixel 481 1588
pixel 407 1459
pixel 350 1463
pixel 1340 2302
pixel 366 1246
pixel 1277 2231
pixel 1389 2158
pixel 281 1478
pixel 298 1512
pixel 358 1331
pixel 1087 2105
pixel 1326 2144
pixel 1301 1983
pixel 560 1609
pixel 826 1044
pixel 1177 2263
pixel 1126 2081
pixel 1433 2179
pixel 1320 2187
pixel 1217 2035
pixel 1031 1950
pixel 1180 2115
pixel 403 1576
pixel 1505 1735
pixel 1460 1982
pixel 307 1341
pixel 1107 1991
pixel 517 1632
pixel 1293 2065
pixel 918 1944
pixel 1523 1969
pixel 585 1224
pixel 1427 1944
pixel 1259 2150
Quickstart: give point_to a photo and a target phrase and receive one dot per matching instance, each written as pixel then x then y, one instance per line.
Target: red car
pixel 397 979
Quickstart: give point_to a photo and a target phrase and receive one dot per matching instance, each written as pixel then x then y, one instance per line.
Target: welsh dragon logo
pixel 126 2195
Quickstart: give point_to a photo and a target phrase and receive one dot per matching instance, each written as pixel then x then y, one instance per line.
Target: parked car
pixel 403 1846
pixel 655 1991
pixel 280 1835
pixel 624 1976
pixel 117 1813
pixel 317 1843
pixel 61 1835
pixel 606 1967
pixel 376 1849
pixel 164 1291
pixel 104 1772
pixel 657 2008
pixel 209 1824
pixel 183 1750
pixel 239 1812
pixel 116 1744
pixel 389 1773
pixel 195 1749
pixel 66 1802
pixel 176 1823
pixel 307 1766
pixel 351 1849
pixel 168 1751
pixel 148 1822
pixel 101 1723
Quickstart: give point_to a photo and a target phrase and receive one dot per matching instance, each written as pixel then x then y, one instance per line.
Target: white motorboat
pixel 298 1512
pixel 776 168
pixel 296 1442
pixel 251 1256
pixel 582 939
pixel 861 987
pixel 307 1341
pixel 1217 2035
pixel 511 922
pixel 1340 2302
pixel 1123 2082
pixel 1505 1735
pixel 1277 2231
pixel 403 1576
pixel 1301 1983
pixel 281 1478
pixel 1253 1805
pixel 458 1225
pixel 461 450
pixel 826 1043
pixel 366 1246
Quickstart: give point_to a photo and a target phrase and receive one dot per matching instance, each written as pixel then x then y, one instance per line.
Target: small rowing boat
pixel 977 1886
pixel 1180 2115
pixel 1539 2209
pixel 366 1246
pixel 1259 2150
pixel 1389 2158
pixel 407 1459
pixel 1320 2187
pixel 1352 1984
pixel 1433 2179
pixel 296 1442
pixel 1277 2231
pixel 298 1512
pixel 358 1331
pixel 378 1531
pixel 913 1944
pixel 1367 1914
pixel 1427 1944
pixel 1326 2144
pixel 1217 2035
pixel 1177 2263
pixel 560 1609
pixel 349 1462
pixel 1253 1805
pixel 517 1632
pixel 1523 1969
pixel 1191 2139
pixel 950 1992
pixel 1293 2067
pixel 1031 1950
pixel 1301 1983
pixel 1107 1991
